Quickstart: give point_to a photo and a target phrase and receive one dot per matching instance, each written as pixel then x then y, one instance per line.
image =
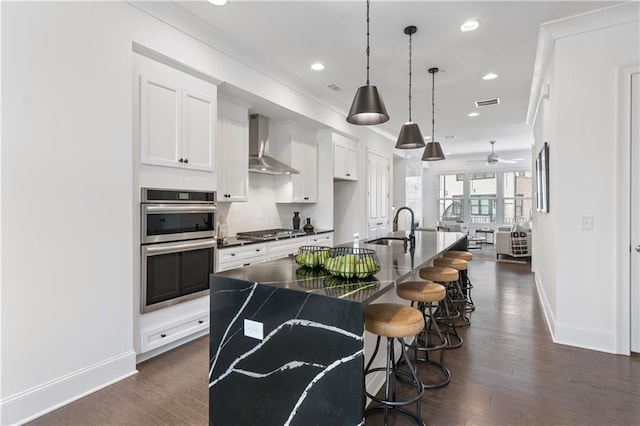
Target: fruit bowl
pixel 312 256
pixel 351 262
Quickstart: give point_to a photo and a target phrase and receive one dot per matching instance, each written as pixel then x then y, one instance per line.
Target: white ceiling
pixel 288 36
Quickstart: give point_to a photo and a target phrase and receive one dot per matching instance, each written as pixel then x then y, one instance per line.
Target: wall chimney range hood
pixel 259 160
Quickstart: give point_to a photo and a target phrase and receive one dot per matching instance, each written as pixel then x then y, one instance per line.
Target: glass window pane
pixel 517 184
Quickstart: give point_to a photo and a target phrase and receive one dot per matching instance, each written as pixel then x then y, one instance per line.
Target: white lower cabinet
pixel 172 331
pixel 325 239
pixel 235 257
pixel 283 248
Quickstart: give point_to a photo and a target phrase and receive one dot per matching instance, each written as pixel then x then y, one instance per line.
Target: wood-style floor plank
pixel 508 372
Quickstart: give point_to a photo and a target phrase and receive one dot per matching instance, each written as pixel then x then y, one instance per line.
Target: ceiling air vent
pixel 487 102
pixel 335 87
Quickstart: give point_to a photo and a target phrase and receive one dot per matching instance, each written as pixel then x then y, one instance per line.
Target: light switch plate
pixel 587 223
pixel 253 329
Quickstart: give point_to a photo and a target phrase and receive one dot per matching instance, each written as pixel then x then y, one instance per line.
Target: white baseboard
pixel 39 400
pixel 546 307
pixel 567 334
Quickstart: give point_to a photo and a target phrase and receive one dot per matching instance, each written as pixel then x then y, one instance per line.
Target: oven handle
pixel 154 250
pixel 172 208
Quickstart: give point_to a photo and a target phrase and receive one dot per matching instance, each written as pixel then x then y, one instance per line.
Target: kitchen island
pixel 287 343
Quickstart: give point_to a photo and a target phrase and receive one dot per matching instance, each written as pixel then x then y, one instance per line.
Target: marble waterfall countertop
pixel 288 349
pixel 395 266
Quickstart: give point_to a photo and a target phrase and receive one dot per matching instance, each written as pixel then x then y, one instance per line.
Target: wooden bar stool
pixel 427 295
pixel 466 281
pixel 394 321
pixel 447 311
pixel 458 297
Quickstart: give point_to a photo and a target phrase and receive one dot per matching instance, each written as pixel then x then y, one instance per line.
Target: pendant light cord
pixel 368 42
pixel 410 38
pixel 433 106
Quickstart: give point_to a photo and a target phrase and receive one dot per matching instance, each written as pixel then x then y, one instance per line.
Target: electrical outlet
pixel 356 235
pixel 253 329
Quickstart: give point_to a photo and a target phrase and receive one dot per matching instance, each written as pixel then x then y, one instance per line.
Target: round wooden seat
pixel 392 320
pixel 457 254
pixel 439 274
pixel 457 264
pixel 421 291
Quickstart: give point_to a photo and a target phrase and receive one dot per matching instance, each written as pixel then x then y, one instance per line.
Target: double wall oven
pixel 177 245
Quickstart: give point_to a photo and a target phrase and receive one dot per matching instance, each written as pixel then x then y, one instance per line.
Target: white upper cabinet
pixel 297 147
pixel 345 158
pixel 177 118
pixel 233 150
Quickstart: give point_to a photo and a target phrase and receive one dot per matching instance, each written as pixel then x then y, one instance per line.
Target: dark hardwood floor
pixel 508 372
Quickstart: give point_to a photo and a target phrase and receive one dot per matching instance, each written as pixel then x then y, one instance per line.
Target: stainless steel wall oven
pixel 177 245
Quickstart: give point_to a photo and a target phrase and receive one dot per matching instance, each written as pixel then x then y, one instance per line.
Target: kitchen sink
pixel 387 241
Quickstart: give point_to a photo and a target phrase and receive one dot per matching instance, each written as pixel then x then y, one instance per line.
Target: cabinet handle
pixel 200 321
pixel 233 254
pixel 181 160
pixel 257 249
pixel 348 174
pixel 186 160
pixel 306 198
pixel 246 264
pixel 163 335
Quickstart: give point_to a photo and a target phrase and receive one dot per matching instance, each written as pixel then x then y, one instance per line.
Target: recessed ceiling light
pixel 317 66
pixel 218 2
pixel 469 26
pixel 489 76
pixel 473 114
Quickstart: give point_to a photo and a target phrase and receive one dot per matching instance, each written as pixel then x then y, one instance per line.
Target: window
pixel 482 198
pixel 451 197
pixel 518 201
pixel 485 198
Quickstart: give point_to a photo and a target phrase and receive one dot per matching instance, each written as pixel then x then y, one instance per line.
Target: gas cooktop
pixel 270 234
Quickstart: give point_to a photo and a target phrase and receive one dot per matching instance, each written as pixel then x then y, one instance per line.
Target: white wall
pixel 580 123
pixel 66 203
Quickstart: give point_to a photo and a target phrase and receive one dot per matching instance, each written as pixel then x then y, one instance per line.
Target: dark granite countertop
pixel 234 241
pixel 395 266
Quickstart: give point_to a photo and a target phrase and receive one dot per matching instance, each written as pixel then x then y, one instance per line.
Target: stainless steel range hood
pixel 259 160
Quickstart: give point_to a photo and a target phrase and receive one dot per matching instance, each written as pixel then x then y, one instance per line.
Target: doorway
pixel 628 330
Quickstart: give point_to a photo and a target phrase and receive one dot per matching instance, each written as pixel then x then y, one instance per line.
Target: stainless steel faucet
pixel 412 235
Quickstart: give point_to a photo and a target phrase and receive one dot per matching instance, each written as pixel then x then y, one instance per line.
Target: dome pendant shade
pixel 433 152
pixel 367 107
pixel 410 137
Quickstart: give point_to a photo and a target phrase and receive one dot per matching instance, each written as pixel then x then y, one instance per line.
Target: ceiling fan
pixel 493 158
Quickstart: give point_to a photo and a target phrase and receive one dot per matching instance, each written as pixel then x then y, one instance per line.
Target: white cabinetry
pixel 233 150
pixel 175 330
pixel 235 257
pixel 377 194
pixel 283 248
pixel 325 239
pixel 345 158
pixel 177 119
pixel 297 147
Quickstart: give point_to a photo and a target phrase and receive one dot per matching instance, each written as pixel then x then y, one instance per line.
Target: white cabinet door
pixel 283 248
pixel 377 194
pixel 298 147
pixel 199 115
pixel 236 257
pixel 160 121
pixel 304 157
pixel 345 159
pixel 177 123
pixel 325 239
pixel 233 148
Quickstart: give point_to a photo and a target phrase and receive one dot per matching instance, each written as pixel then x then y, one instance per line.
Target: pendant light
pixel 410 135
pixel 433 151
pixel 367 107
